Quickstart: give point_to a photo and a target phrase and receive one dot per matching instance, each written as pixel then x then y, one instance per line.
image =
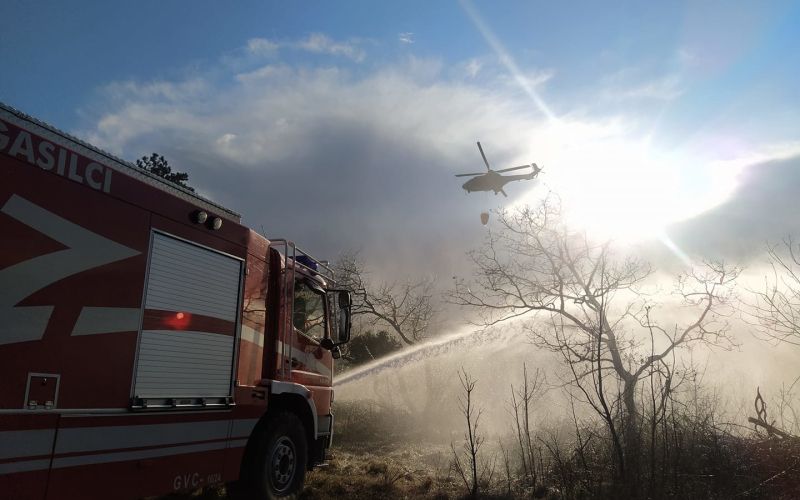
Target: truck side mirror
pixel 344 317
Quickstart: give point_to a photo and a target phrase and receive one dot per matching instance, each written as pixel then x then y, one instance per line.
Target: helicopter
pixel 491 180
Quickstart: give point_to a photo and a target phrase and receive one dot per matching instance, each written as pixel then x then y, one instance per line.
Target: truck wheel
pixel 280 458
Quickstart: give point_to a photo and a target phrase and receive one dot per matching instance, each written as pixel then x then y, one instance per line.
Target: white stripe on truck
pixel 123 456
pixel 83 439
pixel 95 320
pixel 110 441
pixel 32 443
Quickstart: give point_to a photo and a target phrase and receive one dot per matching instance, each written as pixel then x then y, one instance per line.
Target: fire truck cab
pixel 149 342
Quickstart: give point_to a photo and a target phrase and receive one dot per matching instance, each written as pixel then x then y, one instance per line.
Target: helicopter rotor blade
pixel 484 156
pixel 513 168
pixel 473 175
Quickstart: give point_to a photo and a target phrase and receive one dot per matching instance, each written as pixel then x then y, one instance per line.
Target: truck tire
pixel 279 460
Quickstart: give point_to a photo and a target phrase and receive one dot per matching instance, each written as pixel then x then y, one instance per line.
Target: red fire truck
pixel 149 342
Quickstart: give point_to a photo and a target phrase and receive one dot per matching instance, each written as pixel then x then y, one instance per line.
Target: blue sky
pixel 371 107
pixel 59 54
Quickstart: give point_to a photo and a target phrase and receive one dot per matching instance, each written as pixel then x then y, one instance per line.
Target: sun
pixel 615 187
pixel 618 189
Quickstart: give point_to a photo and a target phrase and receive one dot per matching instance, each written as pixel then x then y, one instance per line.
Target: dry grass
pixel 767 469
pixel 383 472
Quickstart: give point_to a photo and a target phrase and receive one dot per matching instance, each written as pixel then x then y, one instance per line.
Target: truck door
pixel 312 364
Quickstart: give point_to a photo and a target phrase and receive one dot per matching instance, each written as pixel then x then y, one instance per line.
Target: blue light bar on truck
pixel 307 261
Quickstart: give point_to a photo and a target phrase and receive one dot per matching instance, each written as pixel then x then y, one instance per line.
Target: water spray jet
pixel 434 347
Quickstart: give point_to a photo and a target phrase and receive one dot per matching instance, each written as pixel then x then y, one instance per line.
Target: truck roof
pixel 115 163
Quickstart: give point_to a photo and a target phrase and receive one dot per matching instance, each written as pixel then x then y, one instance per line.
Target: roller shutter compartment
pixel 188 360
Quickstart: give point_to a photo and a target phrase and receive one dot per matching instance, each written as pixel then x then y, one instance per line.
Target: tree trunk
pixel 632 439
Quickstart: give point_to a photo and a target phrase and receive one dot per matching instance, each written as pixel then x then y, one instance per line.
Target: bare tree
pixel 468 464
pixel 763 422
pixel 406 308
pixel 522 402
pixel 506 466
pixel 587 306
pixel 775 310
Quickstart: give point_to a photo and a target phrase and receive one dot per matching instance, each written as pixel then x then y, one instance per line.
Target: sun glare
pixel 615 187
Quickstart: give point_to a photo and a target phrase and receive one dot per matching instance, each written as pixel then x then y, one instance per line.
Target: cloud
pixel 529 79
pixel 157 90
pixel 664 89
pixel 684 56
pixel 262 47
pixel 763 208
pixel 629 85
pixel 317 43
pixel 473 67
pixel 322 44
pixel 406 37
